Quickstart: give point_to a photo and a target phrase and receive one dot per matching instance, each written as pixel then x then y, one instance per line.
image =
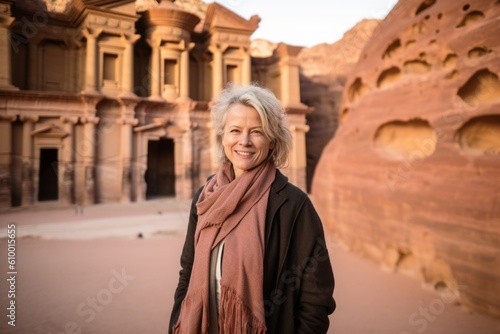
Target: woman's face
pixel 245 144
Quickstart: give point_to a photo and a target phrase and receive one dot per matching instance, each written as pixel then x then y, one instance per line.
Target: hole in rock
pixel 470 18
pixel 478 52
pixel 389 76
pixel 357 90
pixel 452 75
pixel 480 135
pixel 440 16
pixel 416 66
pixel 422 28
pixel 392 49
pixel 440 286
pixel 410 43
pixel 344 115
pixel 408 264
pixel 433 42
pixel 481 88
pixel 406 140
pixel 450 60
pixel 418 28
pixel 466 7
pixel 424 5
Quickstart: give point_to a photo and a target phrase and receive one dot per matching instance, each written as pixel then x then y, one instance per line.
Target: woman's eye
pixel 234 131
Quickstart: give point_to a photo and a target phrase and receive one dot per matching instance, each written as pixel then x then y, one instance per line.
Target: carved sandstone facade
pixel 101 103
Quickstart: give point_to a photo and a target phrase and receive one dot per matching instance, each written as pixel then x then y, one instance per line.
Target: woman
pixel 255 258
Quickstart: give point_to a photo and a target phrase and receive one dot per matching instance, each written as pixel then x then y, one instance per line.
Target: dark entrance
pixel 160 175
pixel 48 181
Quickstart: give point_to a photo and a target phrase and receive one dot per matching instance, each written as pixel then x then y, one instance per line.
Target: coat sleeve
pixel 186 261
pixel 315 296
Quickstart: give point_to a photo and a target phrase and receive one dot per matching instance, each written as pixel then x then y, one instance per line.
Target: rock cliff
pixel 412 176
pixel 324 69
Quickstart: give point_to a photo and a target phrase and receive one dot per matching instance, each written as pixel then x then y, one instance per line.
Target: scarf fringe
pixel 195 301
pixel 235 317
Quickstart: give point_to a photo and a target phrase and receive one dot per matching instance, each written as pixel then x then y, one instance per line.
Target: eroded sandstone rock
pixel 412 176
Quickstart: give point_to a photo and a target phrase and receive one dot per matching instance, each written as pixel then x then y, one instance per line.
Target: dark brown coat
pixel 298 277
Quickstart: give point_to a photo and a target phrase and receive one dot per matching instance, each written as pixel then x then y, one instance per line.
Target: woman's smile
pixel 244 153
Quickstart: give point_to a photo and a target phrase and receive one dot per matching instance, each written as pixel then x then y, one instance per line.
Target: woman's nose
pixel 245 139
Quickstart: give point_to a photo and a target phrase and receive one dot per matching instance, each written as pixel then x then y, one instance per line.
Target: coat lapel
pixel 275 202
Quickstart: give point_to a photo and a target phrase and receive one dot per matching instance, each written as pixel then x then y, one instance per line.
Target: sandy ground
pixel 90 273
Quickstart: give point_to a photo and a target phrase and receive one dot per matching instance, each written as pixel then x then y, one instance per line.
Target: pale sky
pixel 309 22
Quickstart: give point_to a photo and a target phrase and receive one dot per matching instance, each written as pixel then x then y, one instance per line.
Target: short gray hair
pixel 271 113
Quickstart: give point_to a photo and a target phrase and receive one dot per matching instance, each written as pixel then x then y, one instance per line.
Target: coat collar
pixel 280 182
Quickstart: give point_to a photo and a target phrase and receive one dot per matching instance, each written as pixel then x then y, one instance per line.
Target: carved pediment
pixel 50 131
pixel 220 18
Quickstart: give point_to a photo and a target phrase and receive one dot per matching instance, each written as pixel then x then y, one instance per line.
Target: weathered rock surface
pixel 324 69
pixel 412 177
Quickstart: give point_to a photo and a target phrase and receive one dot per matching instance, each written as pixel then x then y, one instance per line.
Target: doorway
pixel 160 174
pixel 48 179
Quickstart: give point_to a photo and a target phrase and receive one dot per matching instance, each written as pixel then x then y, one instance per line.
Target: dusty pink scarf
pixel 233 210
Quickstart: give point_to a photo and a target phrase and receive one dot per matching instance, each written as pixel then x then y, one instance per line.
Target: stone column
pixel 183 142
pixel 85 153
pixel 89 159
pixel 90 61
pixel 179 166
pixel 214 159
pixel 126 150
pixel 135 190
pixel 67 165
pixel 127 84
pixel 155 69
pixel 297 158
pixel 139 167
pixel 5 47
pixel 184 75
pixel 28 186
pixel 5 159
pixel 126 121
pixel 293 88
pixel 285 83
pixel 78 170
pixel 217 70
pixel 290 76
pixel 246 71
